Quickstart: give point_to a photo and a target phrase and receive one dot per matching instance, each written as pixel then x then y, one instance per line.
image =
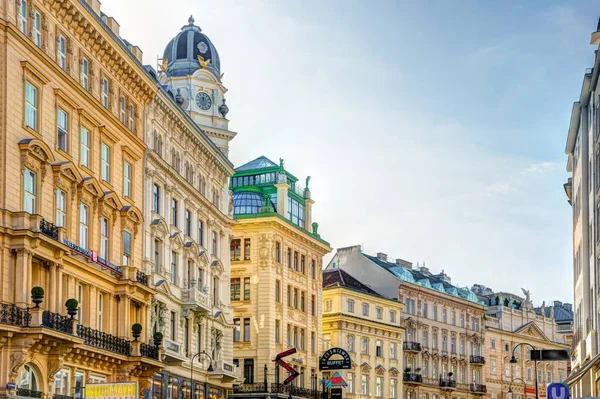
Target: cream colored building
pixel 188 225
pixel 367 326
pixel 73 95
pixel 443 344
pixel 276 283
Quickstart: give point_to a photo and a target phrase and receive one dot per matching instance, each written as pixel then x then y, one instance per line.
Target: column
pixel 51 293
pixel 22 276
pixel 123 316
pixel 59 287
pixel 282 195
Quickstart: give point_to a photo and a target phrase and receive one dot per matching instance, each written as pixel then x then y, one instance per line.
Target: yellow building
pixel 72 147
pixel 367 326
pixel 275 275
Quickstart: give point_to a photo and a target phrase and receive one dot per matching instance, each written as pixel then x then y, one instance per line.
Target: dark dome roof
pixel 183 51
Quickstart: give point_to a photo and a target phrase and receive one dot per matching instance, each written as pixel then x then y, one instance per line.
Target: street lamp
pixel 209 369
pixel 513 360
pixel 513 380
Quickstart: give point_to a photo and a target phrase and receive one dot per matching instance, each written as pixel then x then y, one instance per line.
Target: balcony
pixel 29 393
pixel 57 396
pixel 13 315
pixel 292 390
pixel 412 378
pixel 149 351
pixel 478 389
pixel 409 346
pixel 196 299
pixel 104 341
pixel 57 322
pixel 447 384
pixel 480 360
pixel 257 387
pixel 226 371
pixel 48 229
pixel 141 277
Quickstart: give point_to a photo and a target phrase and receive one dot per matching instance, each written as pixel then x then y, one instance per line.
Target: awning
pixel 579 373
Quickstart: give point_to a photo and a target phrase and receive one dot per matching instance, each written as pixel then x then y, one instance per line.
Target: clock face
pixel 203 101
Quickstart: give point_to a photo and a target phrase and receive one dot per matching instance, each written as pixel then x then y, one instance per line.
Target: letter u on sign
pixel 558 390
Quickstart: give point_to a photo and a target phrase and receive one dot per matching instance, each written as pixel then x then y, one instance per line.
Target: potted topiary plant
pixel 136 331
pixel 72 307
pixel 506 302
pixel 158 337
pixel 497 300
pixel 37 296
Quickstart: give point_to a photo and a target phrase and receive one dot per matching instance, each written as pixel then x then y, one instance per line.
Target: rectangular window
pixel 85 67
pixel 365 309
pixel 131 117
pixel 85 147
pixel 246 330
pixel 435 313
pixel 105 90
pixel 351 343
pixel 313 344
pixel 36 29
pixel 365 346
pixel 313 269
pixel 156 255
pixel 214 243
pixel 350 306
pixel 104 238
pixel 200 232
pixel 235 289
pixel 186 337
pixel 122 109
pixel 302 264
pixel 173 325
pixel 236 330
pixel 392 316
pixel 379 313
pixel 80 299
pixel 393 388
pixel 126 248
pixel 379 386
pixel 174 212
pixel 302 301
pixel 289 335
pixel 302 339
pixel 277 252
pixel 277 291
pixel 100 306
pixel 295 260
pixel 328 306
pixel 393 352
pixel 173 267
pixel 462 320
pixel 350 382
pixel 425 313
pixel 295 298
pixel 493 367
pixel 493 343
pixel 364 384
pixel 156 199
pixel 31 102
pixel 23 17
pixel 249 371
pixel 289 295
pixel 61 52
pixel 105 153
pixel 379 348
pixel 289 257
pixel 235 249
pixel 127 179
pixel 443 315
pixel 83 225
pixel 277 331
pixel 188 223
pixel 62 126
pixel 29 192
pixel 313 305
pixel 246 249
pixel 246 288
pixel 61 208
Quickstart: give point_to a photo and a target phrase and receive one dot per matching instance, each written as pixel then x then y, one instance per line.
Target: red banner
pixel 530 390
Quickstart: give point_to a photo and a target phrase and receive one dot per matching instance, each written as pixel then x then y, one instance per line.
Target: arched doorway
pixel 28 383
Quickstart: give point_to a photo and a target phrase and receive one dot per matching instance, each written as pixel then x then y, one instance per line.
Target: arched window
pixel 28 379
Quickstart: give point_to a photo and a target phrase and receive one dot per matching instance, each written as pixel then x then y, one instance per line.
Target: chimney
pixel 382 256
pixel 558 304
pixel 404 263
pixel 136 51
pixel 95 4
pixel 112 24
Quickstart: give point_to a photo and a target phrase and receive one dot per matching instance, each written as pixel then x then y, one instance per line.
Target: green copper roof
pixel 261 162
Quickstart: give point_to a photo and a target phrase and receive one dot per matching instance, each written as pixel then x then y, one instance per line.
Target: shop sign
pixel 117 390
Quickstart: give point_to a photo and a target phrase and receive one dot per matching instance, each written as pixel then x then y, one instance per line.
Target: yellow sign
pixel 117 390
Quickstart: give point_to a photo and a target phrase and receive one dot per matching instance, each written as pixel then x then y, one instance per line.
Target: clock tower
pixel 191 71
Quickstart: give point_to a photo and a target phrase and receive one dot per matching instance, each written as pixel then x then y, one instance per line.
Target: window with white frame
pixel 29 192
pixel 126 248
pixel 364 346
pixel 127 179
pixel 83 225
pixel 105 91
pixel 104 238
pixel 393 351
pixel 173 267
pixel 156 198
pixel 364 384
pixel 392 316
pixel 328 306
pixel 350 381
pixel 122 109
pixel 61 382
pixel 379 313
pixel 379 386
pixel 131 117
pixel 85 147
pixel 105 153
pixel 31 103
pixel 62 122
pixel 61 208
pixel 23 17
pixel 61 52
pixel 350 343
pixel 493 367
pixel 350 306
pixel 393 388
pixel 365 309
pixel 85 68
pixel 100 310
pixel 36 28
pixel 379 348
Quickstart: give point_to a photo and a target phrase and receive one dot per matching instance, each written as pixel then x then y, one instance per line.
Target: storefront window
pixel 157 386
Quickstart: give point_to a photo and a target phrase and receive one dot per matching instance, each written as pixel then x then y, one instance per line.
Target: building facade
pixel 367 326
pixel 582 188
pixel 443 346
pixel 188 225
pixel 276 281
pixel 71 195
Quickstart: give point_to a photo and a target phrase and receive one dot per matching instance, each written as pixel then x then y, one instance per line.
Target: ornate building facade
pixel 71 195
pixel 276 282
pixel 188 222
pixel 367 326
pixel 444 339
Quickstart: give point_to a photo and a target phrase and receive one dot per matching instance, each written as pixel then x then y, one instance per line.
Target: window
pixel 379 348
pixel 365 309
pixel 85 66
pixel 328 306
pixel 295 298
pixel 435 316
pixel 295 260
pixel 236 330
pixel 200 232
pixel 174 212
pixel 83 225
pixel 425 340
pixel 462 347
pixel 302 301
pixel 289 295
pixel 235 289
pixel 105 163
pixel 350 306
pixel 393 351
pixel 278 252
pixel 364 349
pixel 302 339
pixel 248 371
pixel 173 316
pixel 157 256
pixel 214 243
pixel 393 388
pixel 85 147
pixel 493 343
pixel 29 192
pixel 246 288
pixel 453 321
pixel 302 264
pixel 80 299
pixel 462 320
pixel 379 313
pixel 23 17
pixel 105 90
pixel 365 384
pixel 529 374
pixel 61 208
pixel 350 343
pixel 350 378
pixel 313 305
pixel 313 269
pixel 127 179
pixel 122 109
pixel 62 126
pixel 100 306
pixel 277 291
pixel 379 387
pixel 540 375
pixel 126 248
pixel 493 367
pixel 188 223
pixel 392 316
pixel 36 29
pixel 246 330
pixel 277 331
pixel 235 249
pixel 435 341
pixel 173 267
pixel 425 310
pixel 443 315
pixel 61 52
pixel 31 101
pixel 131 117
pixel 289 257
pixel 247 249
pixel 104 238
pixel 61 381
pixel 313 342
pixel 445 343
pixel 548 376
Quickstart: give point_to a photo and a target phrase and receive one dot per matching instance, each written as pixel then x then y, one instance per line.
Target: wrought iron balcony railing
pixel 478 388
pixel 141 278
pixel 57 396
pixel 48 229
pixel 477 360
pixel 57 322
pixel 149 351
pixel 296 391
pixel 29 393
pixel 257 387
pixel 13 315
pixel 447 383
pixel 412 346
pixel 413 378
pixel 105 341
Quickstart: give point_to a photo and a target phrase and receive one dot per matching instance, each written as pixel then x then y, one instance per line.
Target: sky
pixel 433 131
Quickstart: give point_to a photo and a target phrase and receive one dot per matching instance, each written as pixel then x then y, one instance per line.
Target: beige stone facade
pixel 367 326
pixel 71 193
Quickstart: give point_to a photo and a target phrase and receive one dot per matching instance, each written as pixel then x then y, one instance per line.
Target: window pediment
pixel 92 186
pixel 67 170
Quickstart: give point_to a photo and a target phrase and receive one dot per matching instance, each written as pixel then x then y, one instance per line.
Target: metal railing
pixel 447 383
pixel 257 387
pixel 103 340
pixel 411 346
pixel 413 377
pixel 57 322
pixel 29 393
pixel 57 396
pixel 13 315
pixel 149 351
pixel 478 388
pixel 477 359
pixel 295 391
pixel 48 229
pixel 141 278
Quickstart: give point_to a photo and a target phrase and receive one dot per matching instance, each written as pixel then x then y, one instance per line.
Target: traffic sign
pixel 290 369
pixel 558 390
pixel 336 380
pixel 550 354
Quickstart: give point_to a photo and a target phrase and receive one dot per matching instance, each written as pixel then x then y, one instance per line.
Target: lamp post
pixel 513 360
pixel 513 380
pixel 209 369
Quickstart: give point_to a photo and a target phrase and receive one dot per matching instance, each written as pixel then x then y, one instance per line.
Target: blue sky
pixel 434 131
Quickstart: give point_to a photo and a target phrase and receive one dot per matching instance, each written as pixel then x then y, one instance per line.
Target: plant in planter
pixel 37 296
pixel 72 307
pixel 158 337
pixel 497 299
pixel 506 302
pixel 136 331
